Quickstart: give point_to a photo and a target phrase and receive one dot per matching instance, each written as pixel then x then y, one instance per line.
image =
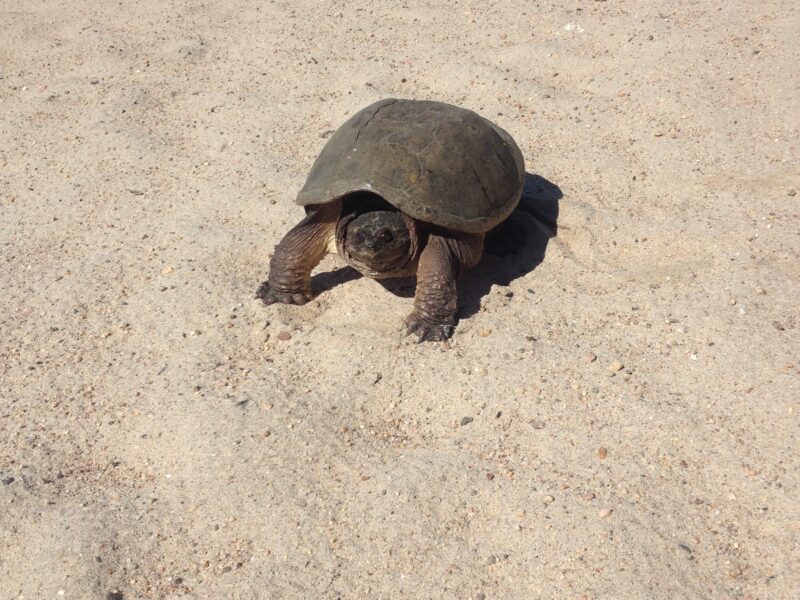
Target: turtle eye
pixel 385 236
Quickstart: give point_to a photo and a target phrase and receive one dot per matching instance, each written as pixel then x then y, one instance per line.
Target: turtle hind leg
pixel 444 258
pixel 296 255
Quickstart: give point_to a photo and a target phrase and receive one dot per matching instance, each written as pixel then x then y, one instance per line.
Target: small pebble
pixel 284 336
pixel 491 560
pixel 466 421
pixel 604 513
pixel 791 193
pixel 167 270
pixel 616 366
pixel 490 476
pixel 760 291
pixel 486 333
pixel 549 499
pixel 590 358
pixel 602 453
pixel 732 301
pixel 588 496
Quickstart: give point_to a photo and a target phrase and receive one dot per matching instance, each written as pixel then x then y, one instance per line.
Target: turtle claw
pixel 268 296
pixel 426 331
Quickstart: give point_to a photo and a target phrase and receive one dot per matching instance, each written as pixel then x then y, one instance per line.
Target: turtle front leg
pixel 443 260
pixel 295 256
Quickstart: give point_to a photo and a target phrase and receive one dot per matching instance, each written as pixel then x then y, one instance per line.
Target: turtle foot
pixel 425 330
pixel 269 295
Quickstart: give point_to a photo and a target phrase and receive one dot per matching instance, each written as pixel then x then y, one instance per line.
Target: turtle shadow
pixel 516 247
pixel 327 280
pixel 403 287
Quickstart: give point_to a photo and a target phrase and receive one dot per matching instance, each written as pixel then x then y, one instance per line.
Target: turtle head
pixel 376 238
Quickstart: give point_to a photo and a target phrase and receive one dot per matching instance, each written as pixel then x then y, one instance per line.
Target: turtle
pixel 402 188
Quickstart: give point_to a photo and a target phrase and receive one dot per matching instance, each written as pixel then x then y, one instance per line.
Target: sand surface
pixel 633 382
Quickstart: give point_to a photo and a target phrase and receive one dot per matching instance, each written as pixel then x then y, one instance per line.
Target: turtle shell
pixel 435 162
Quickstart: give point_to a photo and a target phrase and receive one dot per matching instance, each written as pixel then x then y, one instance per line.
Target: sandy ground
pixel 633 382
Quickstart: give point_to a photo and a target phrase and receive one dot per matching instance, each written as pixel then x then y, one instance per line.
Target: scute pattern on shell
pixel 434 161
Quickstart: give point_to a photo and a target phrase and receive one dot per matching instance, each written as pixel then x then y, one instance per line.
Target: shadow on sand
pixel 512 250
pixel 516 247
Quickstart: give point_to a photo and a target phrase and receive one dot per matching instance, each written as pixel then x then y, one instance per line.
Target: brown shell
pixel 433 161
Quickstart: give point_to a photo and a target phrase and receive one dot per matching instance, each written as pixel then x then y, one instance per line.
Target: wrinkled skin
pixel 378 241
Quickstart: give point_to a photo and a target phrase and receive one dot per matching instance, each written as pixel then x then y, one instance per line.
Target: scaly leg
pixel 445 257
pixel 296 255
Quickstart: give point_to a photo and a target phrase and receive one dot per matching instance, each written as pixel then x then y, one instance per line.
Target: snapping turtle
pixel 403 187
